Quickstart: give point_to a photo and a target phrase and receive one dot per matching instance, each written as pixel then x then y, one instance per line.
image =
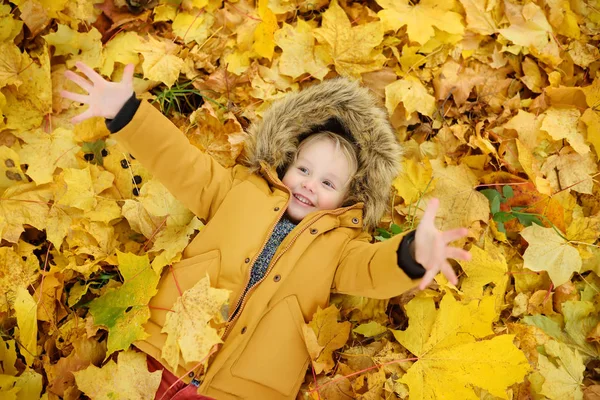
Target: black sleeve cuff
pixel 408 264
pixel 124 116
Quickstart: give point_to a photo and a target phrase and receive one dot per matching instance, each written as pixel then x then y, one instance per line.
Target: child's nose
pixel 308 184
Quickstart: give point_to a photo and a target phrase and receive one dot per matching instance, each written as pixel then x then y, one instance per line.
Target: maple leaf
pixel 12 63
pixel 20 205
pixel 124 310
pixel 550 252
pixel 193 26
pixel 298 57
pixel 570 171
pixel 562 380
pixel 121 48
pixel 160 62
pixel 85 47
pixel 457 80
pixel 480 16
pixel 11 27
pixel 26 313
pixel 460 204
pixel 323 335
pixel 562 123
pixel 352 49
pixel 414 180
pixel 45 152
pixel 451 360
pixel 188 326
pixel 264 43
pixel 420 19
pixel 413 95
pixel 128 378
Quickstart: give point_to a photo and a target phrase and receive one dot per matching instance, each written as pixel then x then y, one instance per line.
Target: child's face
pixel 318 179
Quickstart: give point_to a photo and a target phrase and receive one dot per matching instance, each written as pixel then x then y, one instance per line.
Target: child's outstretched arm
pixel 373 270
pixel 192 176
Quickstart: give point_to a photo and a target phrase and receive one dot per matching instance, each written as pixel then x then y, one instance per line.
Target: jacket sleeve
pixel 192 176
pixel 378 270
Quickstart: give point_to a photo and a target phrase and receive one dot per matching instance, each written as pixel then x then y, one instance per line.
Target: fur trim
pixel 341 106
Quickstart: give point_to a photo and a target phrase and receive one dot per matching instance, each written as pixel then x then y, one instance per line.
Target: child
pixel 284 229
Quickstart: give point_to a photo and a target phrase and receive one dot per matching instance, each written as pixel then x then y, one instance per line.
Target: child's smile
pixel 318 179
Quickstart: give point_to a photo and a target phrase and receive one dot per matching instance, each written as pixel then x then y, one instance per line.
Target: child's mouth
pixel 303 200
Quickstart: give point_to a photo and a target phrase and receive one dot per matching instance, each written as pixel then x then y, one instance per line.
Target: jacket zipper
pixel 242 300
pixel 242 297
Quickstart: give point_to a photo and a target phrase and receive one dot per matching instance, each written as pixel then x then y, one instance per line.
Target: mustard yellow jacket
pixel 264 355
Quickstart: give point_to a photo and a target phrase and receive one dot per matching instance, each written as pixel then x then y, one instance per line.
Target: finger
pixel 128 74
pixel 80 98
pixel 83 83
pixel 82 117
pixel 449 273
pixel 458 254
pixel 427 278
pixel 430 211
pixel 90 73
pixel 454 234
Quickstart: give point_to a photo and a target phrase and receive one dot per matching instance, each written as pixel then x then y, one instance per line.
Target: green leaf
pixel 124 310
pixel 501 227
pixel 527 219
pixel 503 216
pixel 384 233
pixel 507 191
pixel 491 194
pixel 495 205
pixel 396 229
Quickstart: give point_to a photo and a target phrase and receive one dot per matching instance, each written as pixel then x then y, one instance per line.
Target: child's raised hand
pixel 432 250
pixel 104 98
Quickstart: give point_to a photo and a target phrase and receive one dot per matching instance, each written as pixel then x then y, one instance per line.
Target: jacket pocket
pixel 183 276
pixel 275 355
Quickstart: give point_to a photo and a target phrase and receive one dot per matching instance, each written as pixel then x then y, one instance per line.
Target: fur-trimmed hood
pixel 338 105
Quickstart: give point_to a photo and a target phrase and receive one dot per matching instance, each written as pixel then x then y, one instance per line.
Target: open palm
pixel 104 98
pixel 432 250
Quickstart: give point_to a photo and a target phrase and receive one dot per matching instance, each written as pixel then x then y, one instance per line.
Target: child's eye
pixel 327 183
pixel 303 170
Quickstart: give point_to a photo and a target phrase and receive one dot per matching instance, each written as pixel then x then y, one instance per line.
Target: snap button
pixel 355 220
pixel 276 209
pixel 247 260
pixel 191 374
pixel 277 278
pixel 314 231
pixel 243 330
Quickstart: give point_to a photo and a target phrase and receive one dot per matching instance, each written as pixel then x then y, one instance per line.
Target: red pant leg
pixel 179 391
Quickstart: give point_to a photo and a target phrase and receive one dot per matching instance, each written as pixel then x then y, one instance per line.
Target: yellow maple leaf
pixel 188 327
pixel 121 48
pixel 77 190
pixel 592 119
pixel 570 171
pixel 9 27
pixel 264 43
pixel 420 19
pixel 160 60
pixel 128 378
pixel 20 205
pixel 324 334
pixel 563 123
pixel 193 26
pixel 15 272
pixel 80 46
pixel 12 63
pixel 414 180
pixel 352 50
pixel 452 357
pixel 413 95
pixel 298 57
pixel 480 18
pixel 562 378
pixel 549 252
pixel 170 243
pixel 530 28
pixel 592 94
pixel 10 168
pixel 460 204
pixel 26 312
pixel 45 152
pixel 159 202
pixel 528 128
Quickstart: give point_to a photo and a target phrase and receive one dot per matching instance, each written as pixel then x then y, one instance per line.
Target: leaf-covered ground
pixel 497 103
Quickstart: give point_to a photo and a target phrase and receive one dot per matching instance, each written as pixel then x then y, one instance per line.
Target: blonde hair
pixel 341 144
